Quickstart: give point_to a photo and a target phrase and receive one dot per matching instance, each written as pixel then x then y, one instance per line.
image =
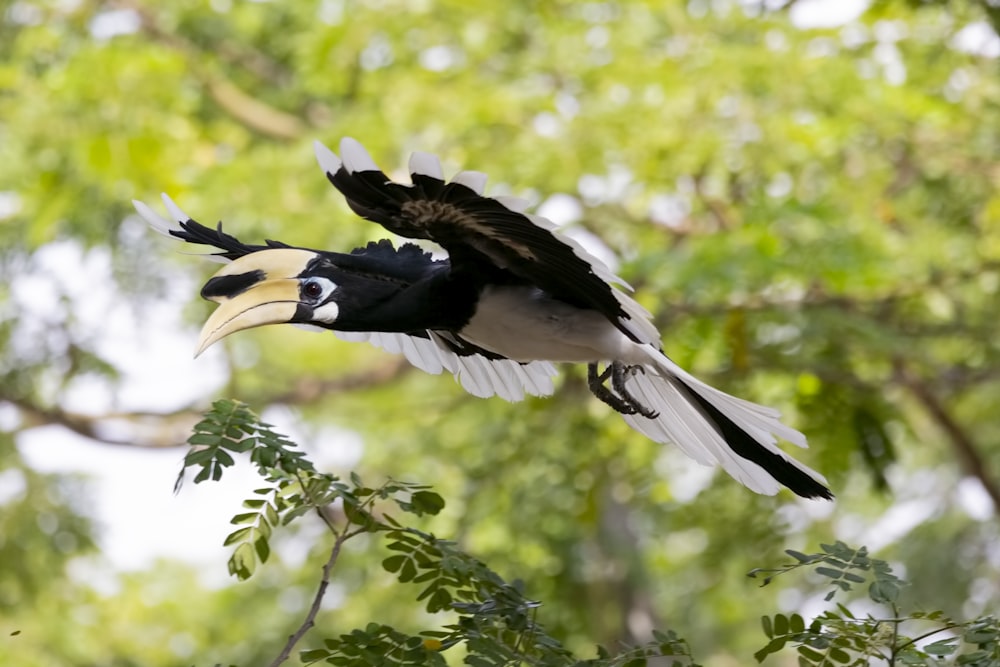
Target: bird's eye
pixel 312 290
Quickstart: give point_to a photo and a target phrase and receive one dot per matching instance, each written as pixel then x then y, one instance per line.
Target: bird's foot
pixel 622 401
pixel 619 374
pixel 596 382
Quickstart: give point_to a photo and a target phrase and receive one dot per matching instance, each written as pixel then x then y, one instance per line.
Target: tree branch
pixel 252 112
pixel 160 430
pixel 233 53
pixel 146 429
pixel 960 440
pixel 324 582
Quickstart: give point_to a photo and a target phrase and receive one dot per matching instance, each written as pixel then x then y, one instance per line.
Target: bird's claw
pixel 620 399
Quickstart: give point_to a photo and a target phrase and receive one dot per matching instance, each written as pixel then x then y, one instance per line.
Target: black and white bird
pixel 512 297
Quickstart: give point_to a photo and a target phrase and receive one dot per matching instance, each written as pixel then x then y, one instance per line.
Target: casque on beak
pixel 256 289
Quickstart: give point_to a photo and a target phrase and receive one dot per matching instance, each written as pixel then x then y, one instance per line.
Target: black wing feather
pixel 476 231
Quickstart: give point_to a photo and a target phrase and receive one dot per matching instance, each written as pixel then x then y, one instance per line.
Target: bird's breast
pixel 526 324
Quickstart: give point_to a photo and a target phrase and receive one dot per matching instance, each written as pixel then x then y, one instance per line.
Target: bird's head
pixel 270 287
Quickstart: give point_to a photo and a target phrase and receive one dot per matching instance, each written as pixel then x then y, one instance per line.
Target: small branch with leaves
pixel 494 620
pixel 496 623
pixel 839 637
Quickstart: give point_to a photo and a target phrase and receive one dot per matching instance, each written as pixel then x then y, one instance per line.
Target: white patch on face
pixel 317 290
pixel 327 312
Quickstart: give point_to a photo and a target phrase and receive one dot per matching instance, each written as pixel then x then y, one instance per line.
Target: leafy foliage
pixel 840 637
pixel 495 623
pixel 840 563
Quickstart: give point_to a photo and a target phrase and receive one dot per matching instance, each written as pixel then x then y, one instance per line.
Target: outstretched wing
pixel 480 231
pixel 480 375
pixel 480 372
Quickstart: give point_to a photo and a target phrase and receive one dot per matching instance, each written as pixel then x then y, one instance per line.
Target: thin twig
pixel 895 638
pixel 310 619
pixel 340 536
pixel 931 633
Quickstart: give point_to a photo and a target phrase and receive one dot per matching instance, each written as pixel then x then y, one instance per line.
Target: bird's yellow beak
pixel 256 289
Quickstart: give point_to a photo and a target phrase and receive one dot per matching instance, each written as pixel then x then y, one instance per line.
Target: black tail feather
pixel 743 444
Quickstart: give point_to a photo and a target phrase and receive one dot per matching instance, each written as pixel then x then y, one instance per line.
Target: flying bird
pixel 512 297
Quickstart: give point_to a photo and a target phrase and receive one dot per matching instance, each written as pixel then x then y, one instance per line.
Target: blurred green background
pixel 808 205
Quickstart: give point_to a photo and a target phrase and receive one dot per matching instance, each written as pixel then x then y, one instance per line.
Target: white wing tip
pixel 426 164
pixel 327 159
pixel 154 220
pixel 355 157
pixel 174 209
pixel 474 180
pixel 516 204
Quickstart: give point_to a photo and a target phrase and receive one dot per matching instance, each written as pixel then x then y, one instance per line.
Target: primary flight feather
pixel 512 297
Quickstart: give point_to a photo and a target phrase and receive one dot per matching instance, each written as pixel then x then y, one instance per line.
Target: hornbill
pixel 512 297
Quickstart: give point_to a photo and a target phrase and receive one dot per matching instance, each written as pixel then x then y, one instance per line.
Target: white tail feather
pixel 683 423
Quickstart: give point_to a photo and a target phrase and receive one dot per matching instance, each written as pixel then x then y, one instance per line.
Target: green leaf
pixel 439 601
pixel 829 572
pixel 237 536
pixel 407 571
pixel 883 591
pixel 241 446
pixel 393 563
pixel 262 548
pixel 242 563
pixel 973 657
pixel 314 655
pixel 246 517
pixel 796 624
pixel 427 502
pixel 223 458
pixel 980 635
pixel 810 654
pixel 773 646
pixel 942 647
pixel 200 456
pixel 840 655
pixel 207 439
pixel 270 514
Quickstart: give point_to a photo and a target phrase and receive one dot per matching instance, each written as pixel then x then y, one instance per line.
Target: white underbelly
pixel 523 324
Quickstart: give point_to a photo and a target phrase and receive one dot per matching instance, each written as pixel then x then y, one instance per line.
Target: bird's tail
pixel 715 428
